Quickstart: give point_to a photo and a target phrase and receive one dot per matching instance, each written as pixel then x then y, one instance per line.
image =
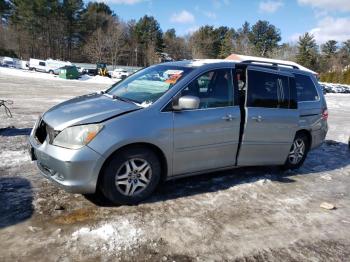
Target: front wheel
pixel 298 152
pixel 130 176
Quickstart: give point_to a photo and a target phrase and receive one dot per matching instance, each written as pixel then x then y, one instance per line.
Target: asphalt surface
pixel 246 214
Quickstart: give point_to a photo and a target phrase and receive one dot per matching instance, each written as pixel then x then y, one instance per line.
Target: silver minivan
pixel 179 119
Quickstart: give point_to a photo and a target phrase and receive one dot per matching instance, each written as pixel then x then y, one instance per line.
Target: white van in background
pixel 47 66
pixel 52 65
pixel 37 65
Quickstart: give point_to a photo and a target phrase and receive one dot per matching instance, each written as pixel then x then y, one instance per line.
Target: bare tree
pixel 95 48
pixel 115 40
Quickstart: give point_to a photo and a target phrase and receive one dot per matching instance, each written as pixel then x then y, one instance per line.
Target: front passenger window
pixel 213 88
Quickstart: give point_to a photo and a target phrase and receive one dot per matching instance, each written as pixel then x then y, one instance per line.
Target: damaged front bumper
pixel 75 171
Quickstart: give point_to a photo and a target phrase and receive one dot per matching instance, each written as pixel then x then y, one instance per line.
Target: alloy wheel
pixel 297 151
pixel 133 176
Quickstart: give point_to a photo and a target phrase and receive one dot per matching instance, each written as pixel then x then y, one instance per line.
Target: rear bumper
pixel 75 171
pixel 318 136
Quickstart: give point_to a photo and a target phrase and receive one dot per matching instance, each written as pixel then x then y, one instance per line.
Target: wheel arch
pixel 307 133
pixel 154 148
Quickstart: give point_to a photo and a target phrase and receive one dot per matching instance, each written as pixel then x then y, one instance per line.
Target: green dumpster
pixel 69 72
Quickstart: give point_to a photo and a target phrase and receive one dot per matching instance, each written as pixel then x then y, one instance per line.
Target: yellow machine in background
pixel 101 69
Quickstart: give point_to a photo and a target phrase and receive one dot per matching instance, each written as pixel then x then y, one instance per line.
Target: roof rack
pixel 271 63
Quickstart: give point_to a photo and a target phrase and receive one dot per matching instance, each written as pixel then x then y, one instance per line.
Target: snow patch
pixel 145 104
pixel 109 237
pixel 98 79
pixel 13 158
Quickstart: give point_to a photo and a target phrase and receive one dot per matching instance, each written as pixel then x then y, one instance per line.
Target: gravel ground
pixel 246 214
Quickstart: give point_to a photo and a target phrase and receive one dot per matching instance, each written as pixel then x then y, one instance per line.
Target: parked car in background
pixel 179 119
pixel 7 62
pixel 120 73
pixel 91 71
pixel 47 66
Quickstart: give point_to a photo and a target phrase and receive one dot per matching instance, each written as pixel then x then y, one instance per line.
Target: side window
pixel 213 88
pixel 268 90
pixel 306 90
pixel 42 63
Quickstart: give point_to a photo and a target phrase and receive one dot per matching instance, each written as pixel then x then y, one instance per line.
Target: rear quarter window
pixel 305 87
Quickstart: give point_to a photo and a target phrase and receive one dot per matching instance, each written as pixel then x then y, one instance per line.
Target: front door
pixel 207 138
pixel 271 117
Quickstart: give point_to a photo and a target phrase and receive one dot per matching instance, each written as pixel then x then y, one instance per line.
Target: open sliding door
pixel 271 117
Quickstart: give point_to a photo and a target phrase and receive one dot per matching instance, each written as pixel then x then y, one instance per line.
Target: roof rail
pixel 273 63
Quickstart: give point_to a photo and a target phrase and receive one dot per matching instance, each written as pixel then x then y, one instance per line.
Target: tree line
pixel 92 32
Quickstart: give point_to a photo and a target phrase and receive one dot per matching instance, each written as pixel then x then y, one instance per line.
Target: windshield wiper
pixel 124 99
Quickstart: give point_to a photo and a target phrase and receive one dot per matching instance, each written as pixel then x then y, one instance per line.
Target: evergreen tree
pixel 264 37
pixel 149 38
pixel 307 51
pixel 96 15
pixel 219 36
pixel 72 10
pixel 203 43
pixel 227 46
pixel 329 48
pixel 175 46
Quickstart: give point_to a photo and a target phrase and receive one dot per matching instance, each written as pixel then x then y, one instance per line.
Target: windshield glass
pixel 147 85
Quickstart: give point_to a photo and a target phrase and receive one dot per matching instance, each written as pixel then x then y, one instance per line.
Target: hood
pixel 86 109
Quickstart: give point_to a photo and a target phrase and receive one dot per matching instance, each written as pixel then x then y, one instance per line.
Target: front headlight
pixel 76 137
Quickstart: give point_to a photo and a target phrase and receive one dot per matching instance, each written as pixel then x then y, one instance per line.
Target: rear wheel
pixel 131 175
pixel 298 152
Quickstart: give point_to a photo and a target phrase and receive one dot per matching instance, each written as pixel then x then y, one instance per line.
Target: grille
pixel 41 132
pixel 44 131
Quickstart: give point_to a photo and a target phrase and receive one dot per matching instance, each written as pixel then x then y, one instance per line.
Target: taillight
pixel 325 114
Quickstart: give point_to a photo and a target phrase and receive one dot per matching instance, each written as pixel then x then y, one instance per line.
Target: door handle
pixel 258 118
pixel 228 117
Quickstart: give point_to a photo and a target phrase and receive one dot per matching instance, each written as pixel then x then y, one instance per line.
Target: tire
pixel 130 176
pixel 298 152
pixel 51 72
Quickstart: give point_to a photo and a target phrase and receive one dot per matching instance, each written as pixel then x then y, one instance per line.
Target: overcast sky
pixel 325 19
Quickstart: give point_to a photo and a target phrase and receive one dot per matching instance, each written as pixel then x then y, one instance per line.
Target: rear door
pixel 207 138
pixel 271 117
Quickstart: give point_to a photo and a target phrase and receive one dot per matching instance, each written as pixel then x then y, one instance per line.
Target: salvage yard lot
pixel 246 214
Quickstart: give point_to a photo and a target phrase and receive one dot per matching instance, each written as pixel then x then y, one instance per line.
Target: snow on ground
pixel 113 236
pixel 13 158
pixel 39 75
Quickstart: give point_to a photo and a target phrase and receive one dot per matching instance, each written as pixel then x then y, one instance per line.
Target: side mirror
pixel 187 103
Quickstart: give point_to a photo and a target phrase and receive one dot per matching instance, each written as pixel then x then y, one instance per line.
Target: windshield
pixel 149 84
